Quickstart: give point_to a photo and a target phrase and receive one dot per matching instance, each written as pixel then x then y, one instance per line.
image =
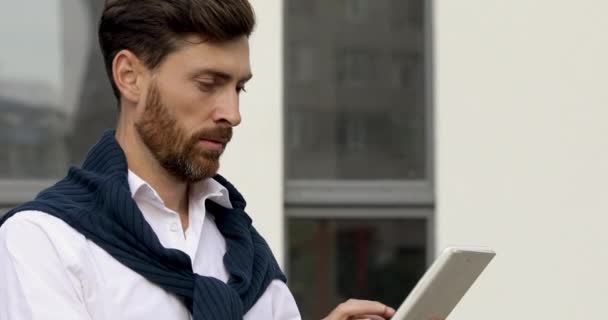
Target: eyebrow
pixel 220 74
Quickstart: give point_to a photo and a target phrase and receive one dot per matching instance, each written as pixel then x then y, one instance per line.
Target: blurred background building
pixel 383 131
pixel 358 162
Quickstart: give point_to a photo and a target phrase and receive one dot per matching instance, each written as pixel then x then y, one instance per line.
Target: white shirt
pixel 50 271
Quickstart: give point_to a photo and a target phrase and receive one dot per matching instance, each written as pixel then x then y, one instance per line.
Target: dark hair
pixel 150 28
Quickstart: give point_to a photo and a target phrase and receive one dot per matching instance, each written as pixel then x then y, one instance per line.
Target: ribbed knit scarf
pixel 96 201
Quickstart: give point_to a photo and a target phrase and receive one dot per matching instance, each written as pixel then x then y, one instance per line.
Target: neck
pixel 173 191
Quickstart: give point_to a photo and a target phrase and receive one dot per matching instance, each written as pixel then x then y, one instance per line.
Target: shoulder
pixel 284 305
pixel 37 222
pixel 42 264
pixel 33 235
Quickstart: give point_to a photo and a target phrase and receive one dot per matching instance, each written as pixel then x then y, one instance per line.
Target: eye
pixel 241 89
pixel 206 86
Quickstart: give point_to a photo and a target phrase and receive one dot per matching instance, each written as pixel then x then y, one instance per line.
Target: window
pixel 45 99
pixel 334 259
pixel 359 196
pixel 302 65
pixel 357 67
pixel 356 10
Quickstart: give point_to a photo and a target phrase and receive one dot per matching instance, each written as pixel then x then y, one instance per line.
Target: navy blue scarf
pixel 97 202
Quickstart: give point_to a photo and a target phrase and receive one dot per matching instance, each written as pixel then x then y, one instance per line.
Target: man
pixel 146 228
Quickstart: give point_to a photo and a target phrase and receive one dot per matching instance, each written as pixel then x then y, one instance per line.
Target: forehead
pixel 230 57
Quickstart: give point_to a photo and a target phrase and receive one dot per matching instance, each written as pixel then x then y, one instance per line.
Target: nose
pixel 227 109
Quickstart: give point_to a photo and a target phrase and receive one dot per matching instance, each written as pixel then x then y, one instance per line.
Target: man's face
pixel 192 104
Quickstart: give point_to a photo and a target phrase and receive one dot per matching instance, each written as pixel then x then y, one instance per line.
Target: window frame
pixel 394 192
pixel 392 198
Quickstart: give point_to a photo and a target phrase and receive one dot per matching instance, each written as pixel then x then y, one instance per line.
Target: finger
pixel 364 307
pixel 368 317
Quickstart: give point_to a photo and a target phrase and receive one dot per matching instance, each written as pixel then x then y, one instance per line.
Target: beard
pixel 178 152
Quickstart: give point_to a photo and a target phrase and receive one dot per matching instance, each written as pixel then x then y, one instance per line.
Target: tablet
pixel 444 283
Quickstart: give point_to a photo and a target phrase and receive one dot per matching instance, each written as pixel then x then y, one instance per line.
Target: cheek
pixel 182 105
pixel 190 106
pixel 192 111
pixel 189 116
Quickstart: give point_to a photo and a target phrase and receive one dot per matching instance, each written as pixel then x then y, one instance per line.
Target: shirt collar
pixel 199 192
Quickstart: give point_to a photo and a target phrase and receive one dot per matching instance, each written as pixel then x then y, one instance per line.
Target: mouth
pixel 213 144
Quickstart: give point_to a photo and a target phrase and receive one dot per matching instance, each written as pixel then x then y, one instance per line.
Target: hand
pixel 359 310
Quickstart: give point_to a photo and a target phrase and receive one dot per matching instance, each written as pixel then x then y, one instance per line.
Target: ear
pixel 129 76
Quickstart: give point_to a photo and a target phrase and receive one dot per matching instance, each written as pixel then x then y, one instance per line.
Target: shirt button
pixel 174 227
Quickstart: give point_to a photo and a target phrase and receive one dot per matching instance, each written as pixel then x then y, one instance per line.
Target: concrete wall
pixel 254 160
pixel 522 152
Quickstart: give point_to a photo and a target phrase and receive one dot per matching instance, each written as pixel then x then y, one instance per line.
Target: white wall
pixel 522 152
pixel 254 160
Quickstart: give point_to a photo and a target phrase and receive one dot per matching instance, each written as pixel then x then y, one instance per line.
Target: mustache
pixel 221 135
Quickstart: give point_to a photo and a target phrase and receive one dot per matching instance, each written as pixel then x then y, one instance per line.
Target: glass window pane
pixel 355 90
pixel 331 260
pixel 52 86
